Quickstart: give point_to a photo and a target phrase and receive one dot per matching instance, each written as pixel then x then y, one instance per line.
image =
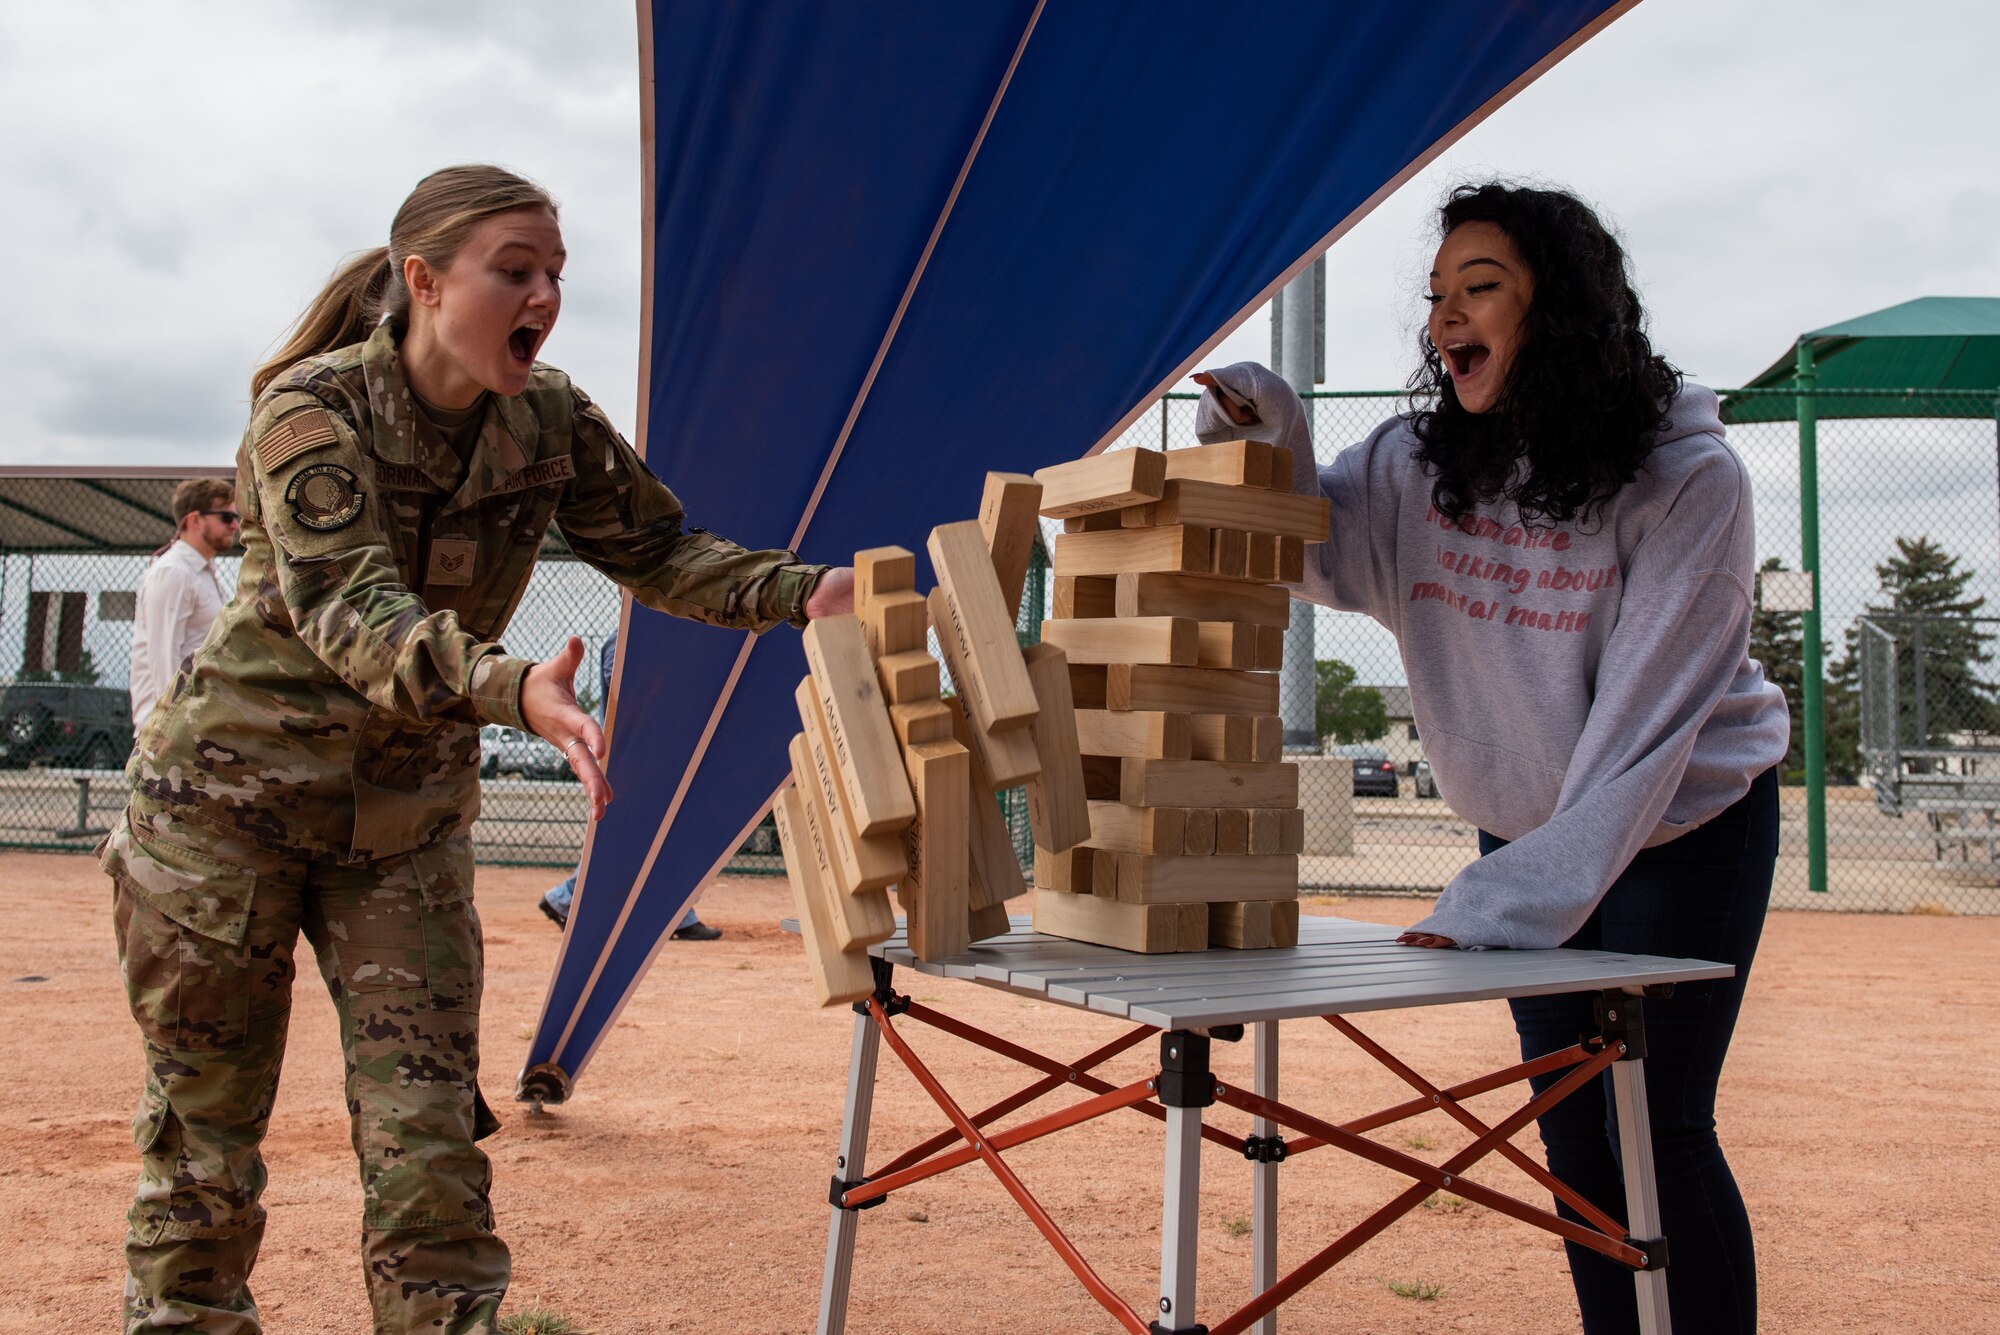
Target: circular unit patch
pixel 324 497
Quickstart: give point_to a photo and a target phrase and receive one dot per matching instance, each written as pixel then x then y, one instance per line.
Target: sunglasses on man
pixel 226 516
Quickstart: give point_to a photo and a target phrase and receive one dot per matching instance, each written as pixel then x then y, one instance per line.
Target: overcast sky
pixel 181 178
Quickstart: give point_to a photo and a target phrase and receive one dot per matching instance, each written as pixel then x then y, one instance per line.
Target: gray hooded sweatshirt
pixel 1584 691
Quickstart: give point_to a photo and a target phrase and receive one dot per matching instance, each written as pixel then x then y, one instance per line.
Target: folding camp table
pixel 1189 1001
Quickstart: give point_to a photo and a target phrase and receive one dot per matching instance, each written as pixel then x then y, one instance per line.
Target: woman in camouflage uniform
pixel 315 766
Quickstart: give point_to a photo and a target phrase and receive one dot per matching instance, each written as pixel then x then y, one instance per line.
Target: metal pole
pixel 839 1269
pixel 1813 674
pixel 1298 680
pixel 1642 1196
pixel 1264 1177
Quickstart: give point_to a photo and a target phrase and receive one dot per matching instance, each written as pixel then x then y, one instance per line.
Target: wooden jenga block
pixel 1263 566
pixel 1104 874
pixel 881 570
pixel 1277 830
pixel 1257 924
pixel 1187 689
pixel 1232 832
pixel 1117 828
pixel 977 631
pixel 1281 468
pixel 1102 776
pixel 838 975
pixel 1007 522
pixel 1235 463
pixel 1239 737
pixel 1188 880
pixel 1125 639
pixel 1270 649
pixel 1096 523
pixel 857 725
pixel 1251 509
pixel 1057 811
pixel 1225 644
pixel 1208 783
pixel 1106 482
pixel 860 862
pixel 936 888
pixel 1107 732
pixel 1006 759
pixel 988 921
pixel 921 721
pixel 1291 560
pixel 908 678
pixel 1075 596
pixel 1174 549
pixel 861 918
pixel 1150 928
pixel 996 872
pixel 1087 686
pixel 1228 553
pixel 1198 841
pixel 1067 871
pixel 895 623
pixel 1200 597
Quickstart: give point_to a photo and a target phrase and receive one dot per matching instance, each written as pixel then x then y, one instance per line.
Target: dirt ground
pixel 683 1189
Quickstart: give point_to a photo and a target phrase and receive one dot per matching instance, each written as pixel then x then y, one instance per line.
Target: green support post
pixel 1814 673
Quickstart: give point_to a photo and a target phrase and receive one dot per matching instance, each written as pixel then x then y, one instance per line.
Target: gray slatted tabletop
pixel 1338 967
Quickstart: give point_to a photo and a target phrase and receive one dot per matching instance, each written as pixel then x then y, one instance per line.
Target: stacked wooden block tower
pixel 1169 605
pixel 894 784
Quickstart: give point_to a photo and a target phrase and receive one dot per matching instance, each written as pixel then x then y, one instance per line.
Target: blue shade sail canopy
pixel 892 246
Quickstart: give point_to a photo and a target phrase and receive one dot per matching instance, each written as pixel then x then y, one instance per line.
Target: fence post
pixel 1812 681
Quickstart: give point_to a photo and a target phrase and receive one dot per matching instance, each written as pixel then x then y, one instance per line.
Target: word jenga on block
pixel 894 784
pixel 1168 605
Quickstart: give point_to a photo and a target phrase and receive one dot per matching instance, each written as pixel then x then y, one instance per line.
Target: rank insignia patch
pixel 324 497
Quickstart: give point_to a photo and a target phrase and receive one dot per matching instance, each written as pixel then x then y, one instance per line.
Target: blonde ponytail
pixel 433 223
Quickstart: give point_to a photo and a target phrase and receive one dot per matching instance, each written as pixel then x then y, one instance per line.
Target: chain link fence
pixel 1909 518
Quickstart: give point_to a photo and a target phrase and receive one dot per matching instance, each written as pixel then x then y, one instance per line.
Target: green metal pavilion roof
pixel 1933 355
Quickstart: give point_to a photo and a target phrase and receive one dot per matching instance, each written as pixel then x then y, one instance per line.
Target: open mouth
pixel 1466 359
pixel 523 342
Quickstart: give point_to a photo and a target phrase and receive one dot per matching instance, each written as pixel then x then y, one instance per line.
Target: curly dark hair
pixel 1586 392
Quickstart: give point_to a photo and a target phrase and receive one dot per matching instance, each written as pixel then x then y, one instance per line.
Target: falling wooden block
pixel 860 862
pixel 1120 551
pixel 1096 523
pixel 861 918
pixel 1108 732
pixel 895 623
pixel 1223 644
pixel 1188 689
pixel 995 871
pixel 937 889
pixel 1240 737
pixel 1208 783
pixel 1232 832
pixel 1233 463
pixel 1151 928
pixel 1006 759
pixel 1257 924
pixel 1057 811
pixel 1198 832
pixel 857 725
pixel 990 921
pixel 1277 830
pixel 920 721
pixel 1291 560
pixel 1067 871
pixel 1126 639
pixel 1142 879
pixel 1087 685
pixel 1007 521
pixel 1117 828
pixel 1200 597
pixel 977 631
pixel 1250 509
pixel 1076 596
pixel 1228 553
pixel 881 570
pixel 1107 482
pixel 838 975
pixel 908 678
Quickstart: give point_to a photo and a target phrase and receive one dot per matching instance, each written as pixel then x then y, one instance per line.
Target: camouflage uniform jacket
pixel 334 710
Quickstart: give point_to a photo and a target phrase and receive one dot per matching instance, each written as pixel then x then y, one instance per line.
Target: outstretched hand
pixel 549 707
pixel 833 596
pixel 1430 940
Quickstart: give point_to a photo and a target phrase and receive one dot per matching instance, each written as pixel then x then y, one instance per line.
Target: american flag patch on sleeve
pixel 294 434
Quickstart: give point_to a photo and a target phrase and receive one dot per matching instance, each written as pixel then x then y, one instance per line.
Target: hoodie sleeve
pixel 1681 636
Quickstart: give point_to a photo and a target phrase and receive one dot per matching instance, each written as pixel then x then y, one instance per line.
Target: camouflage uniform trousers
pixel 399 946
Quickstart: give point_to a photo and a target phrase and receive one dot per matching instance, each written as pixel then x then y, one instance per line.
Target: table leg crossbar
pixel 1176 1095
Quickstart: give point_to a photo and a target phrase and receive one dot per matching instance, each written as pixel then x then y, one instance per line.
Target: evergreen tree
pixel 1344 711
pixel 1777 642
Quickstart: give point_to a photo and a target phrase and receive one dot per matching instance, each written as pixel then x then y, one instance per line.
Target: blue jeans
pixel 561 894
pixel 1702 896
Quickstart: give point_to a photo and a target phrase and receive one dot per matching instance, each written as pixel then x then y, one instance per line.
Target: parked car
pixel 504 750
pixel 64 723
pixel 1426 785
pixel 1374 772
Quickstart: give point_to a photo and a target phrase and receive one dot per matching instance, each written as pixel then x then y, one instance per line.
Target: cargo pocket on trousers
pixel 154 1136
pixel 454 955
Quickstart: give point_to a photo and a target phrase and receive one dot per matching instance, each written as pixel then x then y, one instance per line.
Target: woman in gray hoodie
pixel 1560 539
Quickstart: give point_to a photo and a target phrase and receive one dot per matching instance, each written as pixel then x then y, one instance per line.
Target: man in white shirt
pixel 181 594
